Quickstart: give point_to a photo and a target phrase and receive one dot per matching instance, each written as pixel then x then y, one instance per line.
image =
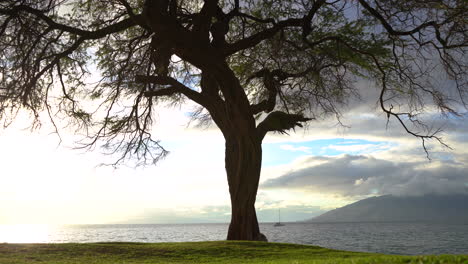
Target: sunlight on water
pixel 24 233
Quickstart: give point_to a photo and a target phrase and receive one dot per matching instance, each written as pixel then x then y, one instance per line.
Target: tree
pixel 252 66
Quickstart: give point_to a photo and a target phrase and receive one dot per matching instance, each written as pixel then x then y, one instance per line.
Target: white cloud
pixel 358 181
pixel 362 148
pixel 350 175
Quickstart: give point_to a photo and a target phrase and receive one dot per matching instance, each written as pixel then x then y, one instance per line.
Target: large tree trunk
pixel 243 158
pixel 243 165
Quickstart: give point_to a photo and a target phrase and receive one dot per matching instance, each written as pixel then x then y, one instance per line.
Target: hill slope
pixel 429 208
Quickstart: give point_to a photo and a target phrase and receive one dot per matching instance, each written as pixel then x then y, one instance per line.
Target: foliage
pixel 299 57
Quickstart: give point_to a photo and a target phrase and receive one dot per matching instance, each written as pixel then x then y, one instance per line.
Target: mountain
pixel 388 208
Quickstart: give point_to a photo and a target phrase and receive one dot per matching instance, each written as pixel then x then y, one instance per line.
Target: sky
pixel 304 174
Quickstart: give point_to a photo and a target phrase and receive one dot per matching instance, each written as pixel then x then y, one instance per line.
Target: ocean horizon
pixel 379 237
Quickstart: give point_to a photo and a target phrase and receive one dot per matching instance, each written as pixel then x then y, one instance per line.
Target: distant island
pixel 389 208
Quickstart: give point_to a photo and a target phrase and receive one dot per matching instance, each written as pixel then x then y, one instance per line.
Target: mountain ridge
pixel 389 208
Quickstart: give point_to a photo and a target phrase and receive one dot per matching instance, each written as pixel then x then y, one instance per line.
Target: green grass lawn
pixel 200 252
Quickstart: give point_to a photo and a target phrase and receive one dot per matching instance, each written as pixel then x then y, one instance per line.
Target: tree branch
pixel 203 19
pixel 119 26
pixel 53 63
pixel 307 27
pixel 137 18
pixel 271 80
pixel 434 24
pixel 175 87
pixel 255 39
pixel 268 104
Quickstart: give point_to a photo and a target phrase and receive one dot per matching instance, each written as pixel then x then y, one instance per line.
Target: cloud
pixel 361 148
pixel 359 175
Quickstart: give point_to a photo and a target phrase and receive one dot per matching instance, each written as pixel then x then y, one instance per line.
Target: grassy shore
pixel 200 252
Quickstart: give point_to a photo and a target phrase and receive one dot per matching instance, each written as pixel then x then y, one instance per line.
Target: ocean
pixel 388 238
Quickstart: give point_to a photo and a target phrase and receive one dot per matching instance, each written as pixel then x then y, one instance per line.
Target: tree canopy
pixel 252 66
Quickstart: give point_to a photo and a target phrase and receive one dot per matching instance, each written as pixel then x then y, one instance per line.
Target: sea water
pixel 388 238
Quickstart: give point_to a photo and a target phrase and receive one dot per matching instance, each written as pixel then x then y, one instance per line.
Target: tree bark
pixel 243 158
pixel 243 166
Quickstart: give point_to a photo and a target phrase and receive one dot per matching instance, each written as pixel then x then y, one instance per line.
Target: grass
pixel 222 252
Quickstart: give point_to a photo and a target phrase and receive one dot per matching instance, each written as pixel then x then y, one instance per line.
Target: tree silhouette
pixel 252 66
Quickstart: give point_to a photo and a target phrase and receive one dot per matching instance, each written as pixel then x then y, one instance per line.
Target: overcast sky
pixel 305 174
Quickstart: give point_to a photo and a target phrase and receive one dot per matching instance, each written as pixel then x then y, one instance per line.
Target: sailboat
pixel 279 219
